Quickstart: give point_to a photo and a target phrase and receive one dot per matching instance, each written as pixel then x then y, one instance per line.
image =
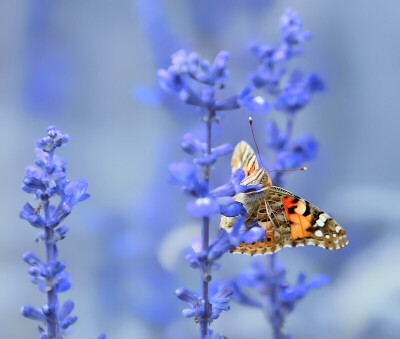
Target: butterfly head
pixel 259 177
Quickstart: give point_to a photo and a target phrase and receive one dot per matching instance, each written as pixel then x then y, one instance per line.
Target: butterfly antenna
pixel 255 142
pixel 289 170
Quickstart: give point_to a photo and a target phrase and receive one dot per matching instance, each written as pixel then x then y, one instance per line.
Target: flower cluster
pixel 187 70
pixel 277 295
pixel 45 182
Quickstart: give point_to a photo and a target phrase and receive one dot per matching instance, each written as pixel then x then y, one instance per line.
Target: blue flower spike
pixel 46 182
pixel 196 82
pixel 290 92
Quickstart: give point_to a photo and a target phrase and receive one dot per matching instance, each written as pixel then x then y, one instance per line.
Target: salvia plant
pixel 55 198
pixel 186 72
pixel 196 82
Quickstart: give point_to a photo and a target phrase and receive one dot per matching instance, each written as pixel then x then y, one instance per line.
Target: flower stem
pixel 205 236
pixel 275 314
pixel 52 299
pixel 204 275
pixel 276 318
pixel 288 135
pixel 53 330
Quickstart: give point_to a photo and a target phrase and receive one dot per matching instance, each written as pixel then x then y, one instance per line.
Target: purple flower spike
pixel 291 96
pixel 46 181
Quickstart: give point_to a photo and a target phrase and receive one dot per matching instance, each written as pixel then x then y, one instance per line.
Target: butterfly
pixel 288 220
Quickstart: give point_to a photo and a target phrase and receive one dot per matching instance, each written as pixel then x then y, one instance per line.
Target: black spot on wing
pixel 307 211
pixel 291 209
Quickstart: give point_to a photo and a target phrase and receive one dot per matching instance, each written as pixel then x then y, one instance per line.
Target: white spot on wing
pixel 319 233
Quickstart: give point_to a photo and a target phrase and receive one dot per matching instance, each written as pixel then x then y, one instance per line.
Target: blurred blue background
pixel 82 65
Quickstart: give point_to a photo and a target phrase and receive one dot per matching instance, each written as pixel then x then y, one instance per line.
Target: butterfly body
pixel 288 220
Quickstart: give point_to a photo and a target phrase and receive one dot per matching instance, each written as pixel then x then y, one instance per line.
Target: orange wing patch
pixel 295 210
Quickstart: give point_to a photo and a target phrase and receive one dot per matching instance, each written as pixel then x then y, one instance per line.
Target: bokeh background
pixel 88 66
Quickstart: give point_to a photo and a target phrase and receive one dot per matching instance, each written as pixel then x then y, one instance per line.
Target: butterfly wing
pixel 307 223
pixel 276 235
pixel 245 158
pixel 290 221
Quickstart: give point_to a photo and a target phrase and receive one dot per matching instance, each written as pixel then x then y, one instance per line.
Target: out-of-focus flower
pixel 292 98
pixel 277 295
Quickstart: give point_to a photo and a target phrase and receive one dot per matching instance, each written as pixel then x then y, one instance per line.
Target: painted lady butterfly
pixel 288 220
